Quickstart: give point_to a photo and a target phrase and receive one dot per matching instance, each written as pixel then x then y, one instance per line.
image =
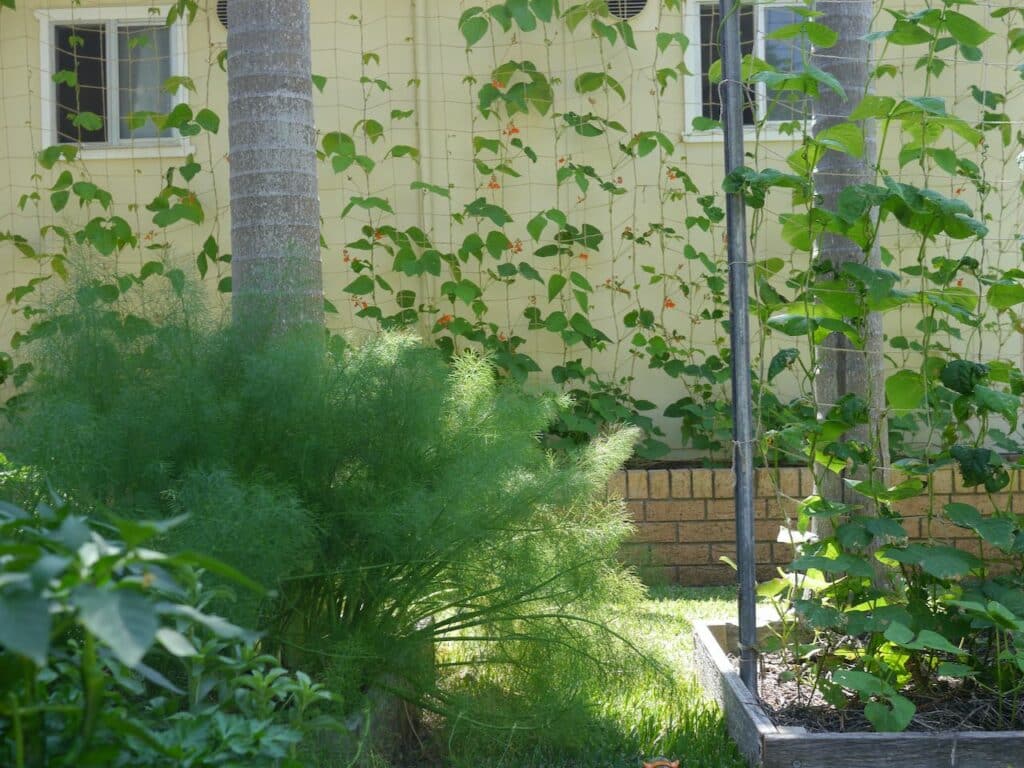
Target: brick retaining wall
pixel 685 518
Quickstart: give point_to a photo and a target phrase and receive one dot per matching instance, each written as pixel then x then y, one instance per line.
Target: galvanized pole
pixel 731 90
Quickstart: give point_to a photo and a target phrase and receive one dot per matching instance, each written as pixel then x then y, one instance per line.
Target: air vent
pixel 626 9
pixel 222 12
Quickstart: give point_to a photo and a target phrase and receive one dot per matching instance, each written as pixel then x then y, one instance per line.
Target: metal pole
pixel 731 91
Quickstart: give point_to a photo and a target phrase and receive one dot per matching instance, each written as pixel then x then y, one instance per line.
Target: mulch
pixel 951 706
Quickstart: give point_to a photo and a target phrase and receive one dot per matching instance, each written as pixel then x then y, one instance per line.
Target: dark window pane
pixel 710 52
pixel 81 49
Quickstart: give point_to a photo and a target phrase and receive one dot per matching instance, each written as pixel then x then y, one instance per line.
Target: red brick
pixel 653 533
pixel 782 554
pixel 724 509
pixel 657 484
pixel 681 488
pixel 724 481
pixel 942 481
pixel 764 483
pixel 724 530
pixel 789 481
pixel 762 552
pixel 676 510
pixel 636 483
pixel 683 554
pixel 706 575
pixel 658 574
pixel 701 483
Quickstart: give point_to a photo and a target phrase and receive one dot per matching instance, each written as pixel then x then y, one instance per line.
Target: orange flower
pixel 493 183
pixel 669 304
pixel 497 84
pixel 561 160
pixel 345 256
pixel 444 320
pixel 960 283
pixel 584 256
pixel 618 179
pixel 502 337
pixel 377 234
pixel 511 130
pixel 671 175
pixel 517 246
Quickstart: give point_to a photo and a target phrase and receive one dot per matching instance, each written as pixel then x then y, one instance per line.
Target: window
pixel 626 9
pixel 103 77
pixel 704 26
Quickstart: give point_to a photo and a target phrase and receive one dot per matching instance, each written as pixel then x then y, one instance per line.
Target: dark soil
pixel 952 706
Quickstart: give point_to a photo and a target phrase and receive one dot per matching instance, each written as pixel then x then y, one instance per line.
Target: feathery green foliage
pixel 392 500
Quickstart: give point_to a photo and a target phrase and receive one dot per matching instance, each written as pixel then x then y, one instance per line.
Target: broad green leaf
pixel 965 30
pixel 1005 294
pixel 361 286
pixel 25 625
pixel 555 285
pixel 905 390
pixel 893 715
pixel 782 360
pixel 124 620
pixel 996 531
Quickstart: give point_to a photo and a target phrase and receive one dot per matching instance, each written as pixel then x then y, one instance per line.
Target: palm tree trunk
pixel 841 368
pixel 277 282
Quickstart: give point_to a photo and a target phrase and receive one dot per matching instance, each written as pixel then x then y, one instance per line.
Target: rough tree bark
pixel 277 282
pixel 842 369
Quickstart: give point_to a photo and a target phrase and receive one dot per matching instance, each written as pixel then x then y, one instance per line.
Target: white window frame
pixel 123 15
pixel 693 97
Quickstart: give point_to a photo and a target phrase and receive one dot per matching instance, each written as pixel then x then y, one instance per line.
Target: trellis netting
pixel 541 181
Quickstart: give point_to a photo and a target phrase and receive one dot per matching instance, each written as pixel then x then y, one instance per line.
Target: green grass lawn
pixel 654 716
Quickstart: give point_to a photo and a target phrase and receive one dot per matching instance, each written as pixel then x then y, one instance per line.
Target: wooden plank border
pixel 766 746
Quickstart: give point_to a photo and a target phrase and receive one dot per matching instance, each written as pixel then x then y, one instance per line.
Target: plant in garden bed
pixel 108 656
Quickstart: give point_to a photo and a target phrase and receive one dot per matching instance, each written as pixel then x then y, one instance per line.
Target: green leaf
pixel 209 120
pixel 892 716
pixel 819 35
pixel 905 390
pixel 175 642
pixel 965 30
pixel 1005 294
pixel 432 188
pixel 535 226
pixel 520 12
pixel 543 9
pixel 998 402
pixel 555 285
pixel 124 620
pixel 496 243
pixel 942 562
pixel 701 123
pixel 361 286
pixel 963 375
pixel 996 531
pixel 25 625
pixel 474 30
pixel 782 360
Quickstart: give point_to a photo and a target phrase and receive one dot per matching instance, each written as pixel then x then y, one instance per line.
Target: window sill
pixel 749 135
pixel 168 149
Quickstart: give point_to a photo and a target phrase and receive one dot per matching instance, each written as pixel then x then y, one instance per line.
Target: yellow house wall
pixel 423 58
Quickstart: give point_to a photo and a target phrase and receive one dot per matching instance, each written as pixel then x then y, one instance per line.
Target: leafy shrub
pixel 877 616
pixel 392 500
pixel 108 658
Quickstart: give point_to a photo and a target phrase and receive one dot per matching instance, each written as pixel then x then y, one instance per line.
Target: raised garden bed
pixel 764 744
